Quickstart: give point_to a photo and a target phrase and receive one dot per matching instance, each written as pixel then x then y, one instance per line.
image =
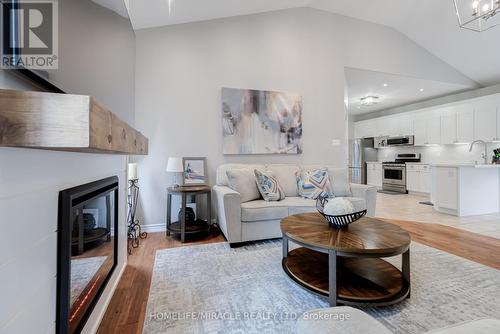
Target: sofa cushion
pixel 339 181
pixel 260 210
pixel 221 177
pixel 286 176
pixel 301 205
pixel 242 180
pixel 313 183
pixel 268 186
pixel 358 203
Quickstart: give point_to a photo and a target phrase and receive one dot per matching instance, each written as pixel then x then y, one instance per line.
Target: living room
pixel 196 167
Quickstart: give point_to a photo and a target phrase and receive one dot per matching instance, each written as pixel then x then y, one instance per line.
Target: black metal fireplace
pixel 87 249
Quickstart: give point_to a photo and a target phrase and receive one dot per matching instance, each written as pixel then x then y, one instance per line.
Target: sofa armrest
pixel 228 204
pixel 369 193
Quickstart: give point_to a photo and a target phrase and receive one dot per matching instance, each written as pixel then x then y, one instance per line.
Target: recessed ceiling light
pixel 368 101
pixel 421 89
pixel 385 85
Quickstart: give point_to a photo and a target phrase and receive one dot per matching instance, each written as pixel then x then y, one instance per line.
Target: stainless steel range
pixel 394 172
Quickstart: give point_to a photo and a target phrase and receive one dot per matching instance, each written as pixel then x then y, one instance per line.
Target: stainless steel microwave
pixel 400 141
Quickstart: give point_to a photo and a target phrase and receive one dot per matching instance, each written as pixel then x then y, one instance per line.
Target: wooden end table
pixel 346 264
pixel 181 227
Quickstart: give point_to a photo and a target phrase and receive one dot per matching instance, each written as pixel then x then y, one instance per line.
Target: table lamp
pixel 174 165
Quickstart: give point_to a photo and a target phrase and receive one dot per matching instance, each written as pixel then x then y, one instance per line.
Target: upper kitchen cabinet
pixel 497 99
pixel 485 120
pixel 434 130
pixel 427 129
pixel 465 123
pixel 380 126
pixel 420 131
pixel 449 126
pixel 399 125
pixel 364 129
pixel 460 122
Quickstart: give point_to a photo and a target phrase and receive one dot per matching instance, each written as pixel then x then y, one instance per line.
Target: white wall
pixel 181 69
pixel 30 180
pixel 96 55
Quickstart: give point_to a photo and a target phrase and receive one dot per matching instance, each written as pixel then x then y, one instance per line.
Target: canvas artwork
pixel 261 122
pixel 195 172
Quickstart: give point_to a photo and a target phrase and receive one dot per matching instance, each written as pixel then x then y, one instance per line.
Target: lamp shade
pixel 175 165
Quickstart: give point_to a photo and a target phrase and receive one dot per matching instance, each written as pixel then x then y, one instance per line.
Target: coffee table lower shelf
pixel 360 281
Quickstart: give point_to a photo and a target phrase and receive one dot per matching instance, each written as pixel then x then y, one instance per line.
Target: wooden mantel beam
pixel 65 122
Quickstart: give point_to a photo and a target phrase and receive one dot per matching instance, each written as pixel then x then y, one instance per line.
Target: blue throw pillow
pixel 268 186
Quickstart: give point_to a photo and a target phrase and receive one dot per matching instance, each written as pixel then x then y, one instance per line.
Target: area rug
pixel 215 289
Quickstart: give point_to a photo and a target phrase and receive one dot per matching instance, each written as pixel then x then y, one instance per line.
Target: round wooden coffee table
pixel 346 264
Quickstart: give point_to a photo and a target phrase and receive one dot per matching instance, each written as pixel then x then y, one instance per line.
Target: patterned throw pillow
pixel 268 186
pixel 314 183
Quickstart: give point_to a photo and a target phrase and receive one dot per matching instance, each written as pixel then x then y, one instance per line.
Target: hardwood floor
pixel 127 309
pixel 469 245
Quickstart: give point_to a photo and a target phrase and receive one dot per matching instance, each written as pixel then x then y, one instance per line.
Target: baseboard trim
pixel 151 228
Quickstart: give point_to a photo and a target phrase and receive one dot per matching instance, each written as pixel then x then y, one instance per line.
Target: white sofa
pixel 258 219
pixel 348 320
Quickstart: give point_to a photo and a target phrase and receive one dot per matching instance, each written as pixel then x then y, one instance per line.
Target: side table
pixel 182 227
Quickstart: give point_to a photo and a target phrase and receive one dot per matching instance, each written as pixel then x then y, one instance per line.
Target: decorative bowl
pixel 337 221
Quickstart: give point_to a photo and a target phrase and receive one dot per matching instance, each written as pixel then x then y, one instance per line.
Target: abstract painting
pixel 261 122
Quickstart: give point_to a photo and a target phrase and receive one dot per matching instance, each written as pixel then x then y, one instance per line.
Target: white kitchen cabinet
pixel 412 180
pixel 418 178
pixel 420 131
pixel 447 183
pixel 395 126
pixel 364 129
pixel 425 179
pixel 380 125
pixel 485 121
pixel 498 121
pixel 374 174
pixel 427 130
pixel 465 190
pixel 465 123
pixel 434 130
pixel 449 128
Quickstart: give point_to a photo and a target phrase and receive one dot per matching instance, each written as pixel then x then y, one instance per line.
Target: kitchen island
pixel 466 189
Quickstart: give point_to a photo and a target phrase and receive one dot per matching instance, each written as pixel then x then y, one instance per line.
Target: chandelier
pixel 478 15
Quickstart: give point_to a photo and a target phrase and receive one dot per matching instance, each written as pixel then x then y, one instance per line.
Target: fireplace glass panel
pixel 91 246
pixel 87 249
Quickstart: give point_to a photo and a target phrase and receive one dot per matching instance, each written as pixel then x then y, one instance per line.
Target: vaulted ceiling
pixel 430 23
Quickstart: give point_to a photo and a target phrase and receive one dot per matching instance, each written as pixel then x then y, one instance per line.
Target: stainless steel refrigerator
pixel 361 151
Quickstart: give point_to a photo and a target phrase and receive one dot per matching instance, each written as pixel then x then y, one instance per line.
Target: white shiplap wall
pixel 30 181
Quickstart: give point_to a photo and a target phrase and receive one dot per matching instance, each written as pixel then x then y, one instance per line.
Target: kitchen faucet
pixel 485 154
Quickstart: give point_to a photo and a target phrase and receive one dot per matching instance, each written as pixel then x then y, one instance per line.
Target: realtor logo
pixel 29 36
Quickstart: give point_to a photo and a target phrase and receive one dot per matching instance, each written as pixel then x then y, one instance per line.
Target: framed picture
pixel 195 171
